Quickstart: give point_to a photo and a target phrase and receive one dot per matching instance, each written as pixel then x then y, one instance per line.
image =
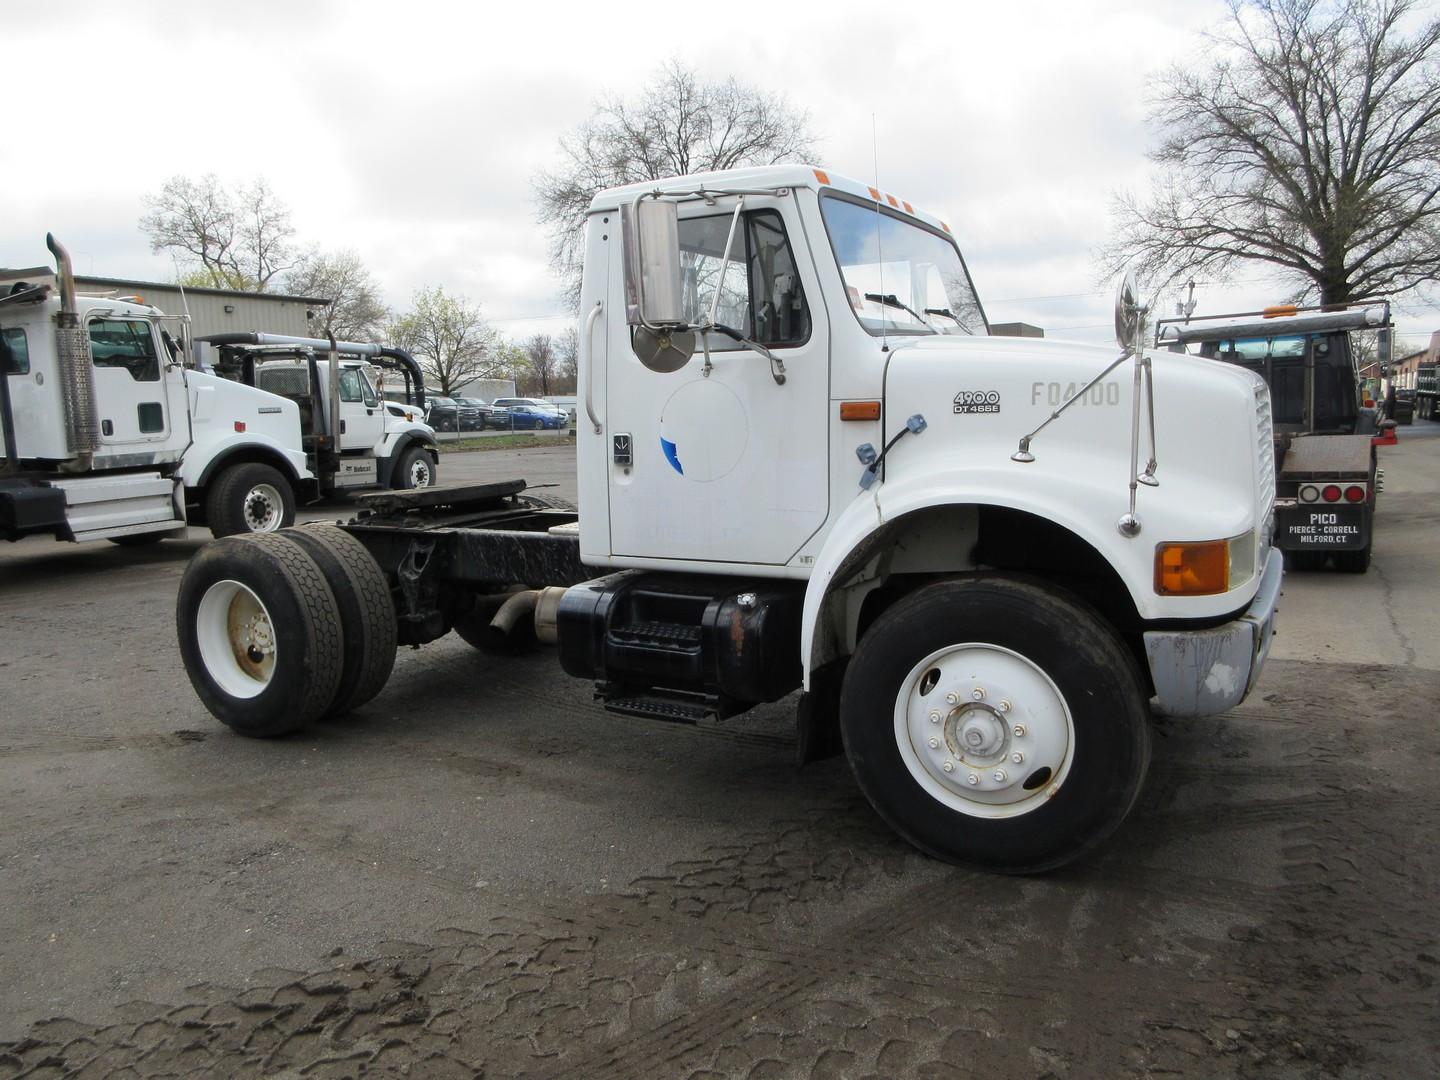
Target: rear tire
pixel 260 634
pixel 137 540
pixel 249 498
pixel 367 612
pixel 1028 696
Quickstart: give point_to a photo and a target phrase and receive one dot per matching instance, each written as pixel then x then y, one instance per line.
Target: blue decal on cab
pixel 670 455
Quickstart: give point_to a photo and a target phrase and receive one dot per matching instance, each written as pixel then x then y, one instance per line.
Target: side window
pixel 125 343
pixel 350 384
pixel 14 352
pixel 760 292
pixel 367 391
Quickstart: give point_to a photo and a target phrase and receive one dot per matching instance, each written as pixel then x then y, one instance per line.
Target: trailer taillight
pixel 1331 493
pixel 1309 493
pixel 1354 493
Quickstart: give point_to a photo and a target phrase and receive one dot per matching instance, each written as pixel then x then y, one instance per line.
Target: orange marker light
pixel 859 410
pixel 822 176
pixel 1280 311
pixel 908 208
pixel 891 200
pixel 944 226
pixel 874 194
pixel 1194 569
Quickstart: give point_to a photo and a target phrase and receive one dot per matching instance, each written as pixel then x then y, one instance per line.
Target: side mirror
pixel 650 229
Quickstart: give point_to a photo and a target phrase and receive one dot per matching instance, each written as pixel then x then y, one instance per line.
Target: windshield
pixel 901 278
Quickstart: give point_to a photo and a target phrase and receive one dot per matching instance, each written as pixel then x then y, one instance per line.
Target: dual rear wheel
pixel 278 630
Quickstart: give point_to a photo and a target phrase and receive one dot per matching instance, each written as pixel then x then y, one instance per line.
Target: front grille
pixel 1265 448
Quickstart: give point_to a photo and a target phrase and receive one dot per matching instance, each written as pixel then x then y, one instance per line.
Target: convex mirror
pixel 1129 311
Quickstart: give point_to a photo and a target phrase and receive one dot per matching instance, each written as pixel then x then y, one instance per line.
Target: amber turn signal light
pixel 1193 569
pixel 859 410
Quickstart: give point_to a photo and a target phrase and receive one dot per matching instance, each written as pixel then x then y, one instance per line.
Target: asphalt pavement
pixel 482 872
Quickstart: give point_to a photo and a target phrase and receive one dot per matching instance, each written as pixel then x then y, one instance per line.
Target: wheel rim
pixel 419 474
pixel 984 730
pixel 264 508
pixel 236 639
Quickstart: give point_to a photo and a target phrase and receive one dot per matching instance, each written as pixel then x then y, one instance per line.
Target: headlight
pixel 1205 567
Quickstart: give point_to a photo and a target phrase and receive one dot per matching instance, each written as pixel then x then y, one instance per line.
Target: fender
pixel 395 444
pixel 200 463
pixel 1066 501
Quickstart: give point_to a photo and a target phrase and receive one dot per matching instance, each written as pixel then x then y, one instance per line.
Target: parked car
pixel 490 415
pixel 448 414
pixel 534 413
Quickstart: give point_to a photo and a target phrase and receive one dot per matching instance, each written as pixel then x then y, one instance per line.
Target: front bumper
pixel 1204 672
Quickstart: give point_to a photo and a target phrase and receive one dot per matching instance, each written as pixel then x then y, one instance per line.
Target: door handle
pixel 590 365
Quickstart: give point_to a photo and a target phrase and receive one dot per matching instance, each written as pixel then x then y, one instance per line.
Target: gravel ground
pixel 481 872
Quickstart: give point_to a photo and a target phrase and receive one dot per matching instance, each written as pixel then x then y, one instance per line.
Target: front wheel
pixel 996 721
pixel 414 469
pixel 249 498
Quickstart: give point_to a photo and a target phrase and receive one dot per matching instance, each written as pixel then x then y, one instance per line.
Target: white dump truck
pixel 110 430
pixel 804 465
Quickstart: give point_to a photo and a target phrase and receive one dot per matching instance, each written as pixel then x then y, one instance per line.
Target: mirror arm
pixel 777 366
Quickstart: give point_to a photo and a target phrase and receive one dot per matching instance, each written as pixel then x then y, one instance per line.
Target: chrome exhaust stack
pixel 77 374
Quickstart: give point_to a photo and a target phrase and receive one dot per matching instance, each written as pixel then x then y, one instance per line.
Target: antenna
pixel 879 221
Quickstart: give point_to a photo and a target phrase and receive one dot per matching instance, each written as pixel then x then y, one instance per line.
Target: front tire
pixel 996 721
pixel 260 634
pixel 249 498
pixel 414 470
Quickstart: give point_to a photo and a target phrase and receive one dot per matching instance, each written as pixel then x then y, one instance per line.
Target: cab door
pixel 361 413
pixel 130 390
pixel 725 464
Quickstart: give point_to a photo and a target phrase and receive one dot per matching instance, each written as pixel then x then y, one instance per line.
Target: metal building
pixel 217 311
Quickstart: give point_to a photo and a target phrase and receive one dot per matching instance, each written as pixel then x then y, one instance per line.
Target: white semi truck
pixel 111 432
pixel 805 465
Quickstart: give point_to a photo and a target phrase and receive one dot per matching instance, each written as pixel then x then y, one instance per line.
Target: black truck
pixel 1326 475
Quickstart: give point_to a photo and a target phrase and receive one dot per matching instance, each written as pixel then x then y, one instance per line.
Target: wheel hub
pixel 984 730
pixel 236 638
pixel 262 509
pixel 976 733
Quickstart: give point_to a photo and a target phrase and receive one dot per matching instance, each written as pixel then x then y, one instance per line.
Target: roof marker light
pixel 891 200
pixel 908 208
pixel 822 176
pixel 1280 311
pixel 874 194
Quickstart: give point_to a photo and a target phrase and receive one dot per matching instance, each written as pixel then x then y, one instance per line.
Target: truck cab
pixel 351 439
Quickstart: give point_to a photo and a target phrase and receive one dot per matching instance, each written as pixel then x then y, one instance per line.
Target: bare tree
pixel 1310 143
pixel 541 363
pixel 356 311
pixel 230 241
pixel 677 125
pixel 567 361
pixel 449 338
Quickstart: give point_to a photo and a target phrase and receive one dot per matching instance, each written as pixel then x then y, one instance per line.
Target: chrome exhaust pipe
pixel 77 376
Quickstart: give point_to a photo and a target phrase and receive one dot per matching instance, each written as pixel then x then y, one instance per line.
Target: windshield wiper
pixel 891 300
pixel 945 311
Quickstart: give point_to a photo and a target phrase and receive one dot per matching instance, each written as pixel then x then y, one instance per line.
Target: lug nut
pixel 999 776
pixel 1017 757
pixel 978 693
pixel 934 744
pixel 1019 731
pixel 949 766
pixel 934 717
pixel 1004 706
pixel 953 698
pixel 972 779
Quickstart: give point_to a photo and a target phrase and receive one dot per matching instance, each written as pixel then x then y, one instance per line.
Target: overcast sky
pixel 411 131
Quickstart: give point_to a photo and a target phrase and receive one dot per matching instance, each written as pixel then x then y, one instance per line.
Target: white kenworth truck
pixel 805 465
pixel 111 432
